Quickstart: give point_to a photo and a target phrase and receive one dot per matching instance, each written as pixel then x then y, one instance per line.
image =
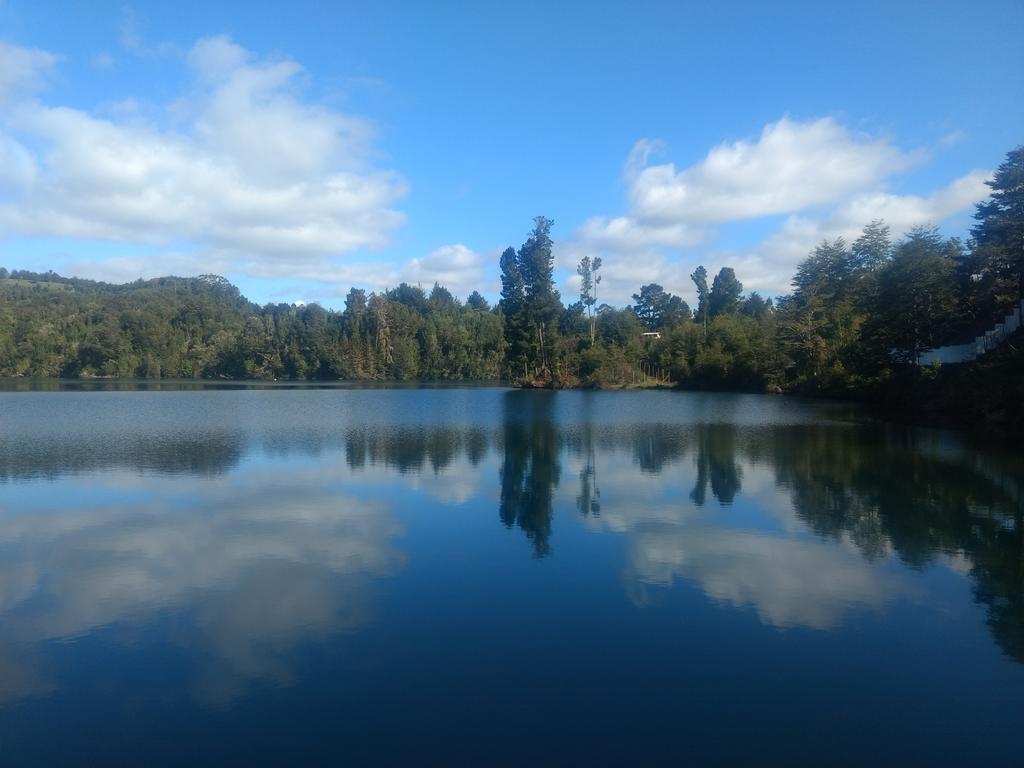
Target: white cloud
pixel 257 572
pixel 252 175
pixel 217 58
pixel 456 267
pixel 771 265
pixel 830 180
pixel 624 232
pixel 22 69
pixel 792 166
pixel 788 582
pixel 19 167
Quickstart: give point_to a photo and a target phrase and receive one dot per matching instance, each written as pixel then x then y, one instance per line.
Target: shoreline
pixel 907 402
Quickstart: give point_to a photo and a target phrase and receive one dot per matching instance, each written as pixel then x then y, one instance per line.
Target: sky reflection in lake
pixel 208 576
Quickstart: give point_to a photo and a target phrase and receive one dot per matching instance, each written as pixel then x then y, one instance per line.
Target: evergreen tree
pixel 828 268
pixel 873 249
pixel 587 269
pixel 355 310
pixel 756 306
pixel 441 299
pixel 820 323
pixel 724 297
pixel 412 296
pixel 999 234
pixel 657 308
pixel 917 294
pixel 542 304
pixel 478 302
pixel 700 279
pixel 513 307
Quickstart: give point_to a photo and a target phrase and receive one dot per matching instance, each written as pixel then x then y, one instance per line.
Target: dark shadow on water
pixel 413 449
pixel 530 466
pixel 205 455
pixel 716 464
pixel 924 495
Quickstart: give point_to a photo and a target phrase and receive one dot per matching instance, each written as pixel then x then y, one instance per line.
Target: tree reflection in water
pixel 410 449
pixel 588 500
pixel 921 496
pixel 530 466
pixel 716 461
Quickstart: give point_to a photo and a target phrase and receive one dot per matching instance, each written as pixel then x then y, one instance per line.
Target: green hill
pixel 202 327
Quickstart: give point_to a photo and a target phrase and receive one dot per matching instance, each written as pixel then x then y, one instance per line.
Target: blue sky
pixel 305 147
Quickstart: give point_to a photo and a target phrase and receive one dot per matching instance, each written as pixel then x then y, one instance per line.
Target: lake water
pixel 483 576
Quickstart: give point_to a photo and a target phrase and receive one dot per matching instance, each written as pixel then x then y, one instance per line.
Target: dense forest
pixel 859 316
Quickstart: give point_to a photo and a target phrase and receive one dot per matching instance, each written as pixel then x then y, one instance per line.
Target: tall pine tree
pixel 513 307
pixel 999 234
pixel 543 305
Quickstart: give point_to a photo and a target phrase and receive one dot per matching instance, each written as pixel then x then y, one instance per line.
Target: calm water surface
pixel 481 577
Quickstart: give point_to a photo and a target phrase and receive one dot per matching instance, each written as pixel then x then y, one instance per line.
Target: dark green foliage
pixel 441 299
pixel 827 268
pixel 531 305
pixel 756 306
pixel 657 308
pixel 513 308
pixel 537 263
pixel 617 326
pixel 530 470
pixel 202 328
pixel 478 302
pixel 819 324
pixel 917 295
pixel 738 353
pixel 411 296
pixel 513 291
pixel 700 280
pixel 999 234
pixel 724 297
pixel 543 305
pixel 872 250
pixel 53 326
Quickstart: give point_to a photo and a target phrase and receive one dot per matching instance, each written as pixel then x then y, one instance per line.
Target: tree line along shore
pixel 855 324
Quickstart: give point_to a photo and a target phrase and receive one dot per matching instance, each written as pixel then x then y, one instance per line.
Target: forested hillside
pixel 203 328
